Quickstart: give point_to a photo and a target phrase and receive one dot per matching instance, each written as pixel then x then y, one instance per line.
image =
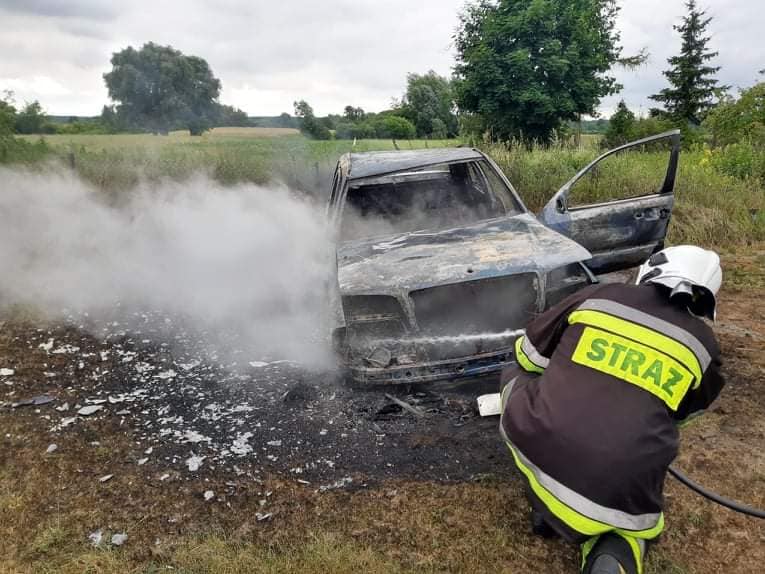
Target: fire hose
pixel 716 498
pixel 489 405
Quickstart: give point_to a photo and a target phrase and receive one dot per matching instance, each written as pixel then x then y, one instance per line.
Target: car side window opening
pixel 430 198
pixel 631 173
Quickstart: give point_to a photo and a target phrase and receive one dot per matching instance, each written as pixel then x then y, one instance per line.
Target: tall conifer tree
pixel 693 86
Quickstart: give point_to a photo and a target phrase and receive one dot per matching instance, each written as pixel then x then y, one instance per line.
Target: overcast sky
pixel 268 53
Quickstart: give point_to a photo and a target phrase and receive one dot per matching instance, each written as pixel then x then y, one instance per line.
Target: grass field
pixel 712 208
pixel 229 155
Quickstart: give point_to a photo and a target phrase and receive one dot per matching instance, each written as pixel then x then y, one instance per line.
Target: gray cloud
pixel 88 9
pixel 734 32
pixel 332 53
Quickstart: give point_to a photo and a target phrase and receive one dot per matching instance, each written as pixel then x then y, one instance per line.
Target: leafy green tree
pixel 620 126
pixel 232 117
pixel 438 129
pixel 310 125
pixel 737 120
pixel 353 114
pixel 364 130
pixel 111 121
pixel 286 121
pixel 429 97
pixel 31 119
pixel 395 127
pixel 7 115
pixel 344 130
pixel 13 149
pixel 693 87
pixel 157 88
pixel 527 66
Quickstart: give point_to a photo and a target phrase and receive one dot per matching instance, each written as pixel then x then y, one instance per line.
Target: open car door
pixel 619 206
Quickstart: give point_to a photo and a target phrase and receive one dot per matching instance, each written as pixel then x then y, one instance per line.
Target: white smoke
pixel 247 260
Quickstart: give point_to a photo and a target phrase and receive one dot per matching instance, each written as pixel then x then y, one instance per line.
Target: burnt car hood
pixel 424 259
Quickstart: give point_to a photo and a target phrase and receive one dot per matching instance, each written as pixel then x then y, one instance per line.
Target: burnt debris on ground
pixel 189 412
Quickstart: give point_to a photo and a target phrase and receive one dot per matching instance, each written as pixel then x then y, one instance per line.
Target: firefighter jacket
pixel 620 366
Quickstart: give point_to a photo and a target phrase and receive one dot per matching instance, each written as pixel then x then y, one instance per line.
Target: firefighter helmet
pixel 692 274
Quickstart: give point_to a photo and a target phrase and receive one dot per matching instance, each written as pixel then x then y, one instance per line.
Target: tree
pixel 364 130
pixel 438 129
pixel 620 126
pixel 32 120
pixel 157 88
pixel 429 97
pixel 7 115
pixel 309 124
pixel 736 120
pixel 353 114
pixel 395 127
pixel 693 88
pixel 232 117
pixel 527 66
pixel 285 120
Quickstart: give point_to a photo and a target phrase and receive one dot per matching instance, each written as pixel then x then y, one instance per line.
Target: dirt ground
pixel 249 465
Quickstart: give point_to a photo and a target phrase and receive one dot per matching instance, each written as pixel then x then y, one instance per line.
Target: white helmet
pixel 690 272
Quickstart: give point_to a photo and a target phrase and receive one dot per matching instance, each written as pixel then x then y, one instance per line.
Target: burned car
pixel 440 263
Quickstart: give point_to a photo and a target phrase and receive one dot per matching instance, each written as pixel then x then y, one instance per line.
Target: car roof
pixel 373 163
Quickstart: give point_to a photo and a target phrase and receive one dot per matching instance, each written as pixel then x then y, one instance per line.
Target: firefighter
pixel 590 413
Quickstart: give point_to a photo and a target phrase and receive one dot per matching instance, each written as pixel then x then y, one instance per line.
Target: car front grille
pixel 480 306
pixel 374 316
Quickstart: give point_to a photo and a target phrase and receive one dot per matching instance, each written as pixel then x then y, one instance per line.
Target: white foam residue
pixel 194 462
pixel 241 444
pixel 46 346
pixel 193 436
pixel 65 350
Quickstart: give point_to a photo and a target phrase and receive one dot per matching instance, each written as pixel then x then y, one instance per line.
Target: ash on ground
pixel 189 412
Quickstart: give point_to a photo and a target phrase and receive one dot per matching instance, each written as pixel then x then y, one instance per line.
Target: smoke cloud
pixel 252 262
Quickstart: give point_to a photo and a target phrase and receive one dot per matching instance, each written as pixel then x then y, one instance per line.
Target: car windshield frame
pixel 501 196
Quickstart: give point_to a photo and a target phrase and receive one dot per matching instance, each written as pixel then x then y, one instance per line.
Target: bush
pixel 344 130
pixel 81 127
pixel 624 127
pixel 741 160
pixel 438 129
pixel 394 127
pixel 364 130
pixel 736 120
pixel 620 127
pixel 32 120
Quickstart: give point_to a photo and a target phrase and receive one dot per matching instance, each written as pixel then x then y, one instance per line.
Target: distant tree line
pixel 426 110
pixel 29 119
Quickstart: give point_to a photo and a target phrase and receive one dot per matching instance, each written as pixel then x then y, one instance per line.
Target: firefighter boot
pixel 612 554
pixel 540 527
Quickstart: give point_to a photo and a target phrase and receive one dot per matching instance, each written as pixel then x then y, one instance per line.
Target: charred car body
pixel 440 263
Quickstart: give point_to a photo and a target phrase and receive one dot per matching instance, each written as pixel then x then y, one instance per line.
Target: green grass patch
pixel 714 207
